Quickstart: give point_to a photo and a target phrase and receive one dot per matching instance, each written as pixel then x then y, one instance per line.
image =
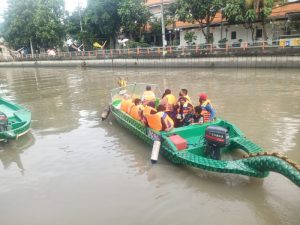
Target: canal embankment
pixel 170 57
pixel 205 62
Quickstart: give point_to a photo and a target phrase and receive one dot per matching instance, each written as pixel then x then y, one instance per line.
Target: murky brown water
pixel 72 169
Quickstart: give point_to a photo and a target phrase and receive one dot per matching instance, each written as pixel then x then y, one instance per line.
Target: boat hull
pixel 255 162
pixel 19 120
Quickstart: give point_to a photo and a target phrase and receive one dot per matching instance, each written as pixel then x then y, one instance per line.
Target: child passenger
pixel 197 117
pixel 183 109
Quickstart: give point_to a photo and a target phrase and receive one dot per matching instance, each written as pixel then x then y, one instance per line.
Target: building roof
pixel 279 12
pixel 282 11
pixel 151 3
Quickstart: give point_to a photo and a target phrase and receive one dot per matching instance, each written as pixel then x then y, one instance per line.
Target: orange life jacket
pixel 130 105
pixel 154 120
pixel 134 112
pixel 147 110
pixel 125 105
pixel 206 116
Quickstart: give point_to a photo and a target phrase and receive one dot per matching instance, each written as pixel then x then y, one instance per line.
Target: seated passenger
pixel 188 118
pixel 159 121
pixel 125 103
pixel 148 109
pixel 148 95
pixel 183 108
pixel 169 101
pixel 136 109
pixel 197 117
pixel 207 109
pixel 184 93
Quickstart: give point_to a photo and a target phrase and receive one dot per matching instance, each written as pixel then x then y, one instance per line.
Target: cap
pixel 202 96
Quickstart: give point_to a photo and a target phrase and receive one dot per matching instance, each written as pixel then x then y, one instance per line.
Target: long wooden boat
pixel 255 162
pixel 14 120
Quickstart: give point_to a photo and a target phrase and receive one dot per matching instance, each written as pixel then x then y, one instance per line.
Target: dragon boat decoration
pixel 199 143
pixel 14 120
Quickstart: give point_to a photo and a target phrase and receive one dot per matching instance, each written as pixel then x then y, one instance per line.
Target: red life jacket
pixel 206 116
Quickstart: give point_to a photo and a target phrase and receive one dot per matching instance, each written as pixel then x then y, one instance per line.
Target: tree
pixel 77 27
pixel 155 24
pixel 249 12
pixel 34 21
pixel 171 17
pixel 72 25
pixel 18 26
pixel 103 19
pixel 202 12
pixel 134 16
pixel 48 23
pixel 190 37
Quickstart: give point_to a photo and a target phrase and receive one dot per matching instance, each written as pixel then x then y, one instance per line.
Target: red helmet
pixel 202 96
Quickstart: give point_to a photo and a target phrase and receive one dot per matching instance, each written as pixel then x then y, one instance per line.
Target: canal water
pixel 74 169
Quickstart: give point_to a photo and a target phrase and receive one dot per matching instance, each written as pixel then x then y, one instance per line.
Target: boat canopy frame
pixel 134 90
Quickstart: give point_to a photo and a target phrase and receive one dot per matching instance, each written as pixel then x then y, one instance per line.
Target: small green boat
pixel 201 139
pixel 14 120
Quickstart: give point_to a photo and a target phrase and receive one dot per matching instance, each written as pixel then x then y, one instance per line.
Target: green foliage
pixel 190 37
pixel 235 11
pixel 199 11
pixel 72 25
pixel 38 20
pixel 133 44
pixel 223 40
pixel 171 14
pixel 248 11
pixel 134 16
pixel 103 20
pixel 155 24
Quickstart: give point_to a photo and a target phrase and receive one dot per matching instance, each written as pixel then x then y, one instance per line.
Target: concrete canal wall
pixel 207 62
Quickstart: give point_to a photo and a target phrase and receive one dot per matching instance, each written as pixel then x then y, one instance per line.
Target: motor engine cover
pixel 217 136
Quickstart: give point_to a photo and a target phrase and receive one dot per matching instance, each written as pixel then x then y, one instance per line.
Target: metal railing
pixel 203 50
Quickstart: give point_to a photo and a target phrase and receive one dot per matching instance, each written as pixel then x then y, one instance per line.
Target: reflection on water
pixel 10 153
pixel 79 170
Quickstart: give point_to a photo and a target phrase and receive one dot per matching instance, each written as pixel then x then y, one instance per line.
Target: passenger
pixel 184 93
pixel 148 109
pixel 148 95
pixel 159 121
pixel 166 121
pixel 135 110
pixel 125 103
pixel 188 118
pixel 208 111
pixel 169 101
pixel 197 117
pixel 183 108
pixel 122 82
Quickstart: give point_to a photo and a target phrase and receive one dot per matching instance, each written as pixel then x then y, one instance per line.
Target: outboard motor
pixel 3 122
pixel 216 137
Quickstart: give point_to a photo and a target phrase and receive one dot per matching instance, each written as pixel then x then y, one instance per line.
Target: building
pixel 155 6
pixel 278 24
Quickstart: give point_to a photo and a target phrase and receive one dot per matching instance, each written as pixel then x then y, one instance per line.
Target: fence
pixel 204 50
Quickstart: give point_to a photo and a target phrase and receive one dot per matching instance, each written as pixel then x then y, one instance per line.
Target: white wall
pixel 241 33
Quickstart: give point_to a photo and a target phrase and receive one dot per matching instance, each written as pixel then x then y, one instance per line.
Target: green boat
pixel 14 120
pixel 200 139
